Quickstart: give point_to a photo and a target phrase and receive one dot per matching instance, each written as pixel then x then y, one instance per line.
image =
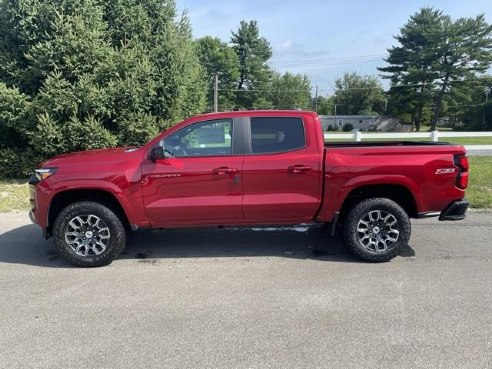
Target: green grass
pixel 468 140
pixel 479 191
pixel 14 195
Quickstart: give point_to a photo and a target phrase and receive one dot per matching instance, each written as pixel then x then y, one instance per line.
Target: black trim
pixel 247 136
pixel 455 211
pixel 334 223
pixel 33 180
pixel 238 132
pixel 384 143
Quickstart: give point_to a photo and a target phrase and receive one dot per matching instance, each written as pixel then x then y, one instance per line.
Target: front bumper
pixel 31 216
pixel 455 211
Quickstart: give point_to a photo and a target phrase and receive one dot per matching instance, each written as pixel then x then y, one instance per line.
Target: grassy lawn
pixel 468 140
pixel 479 191
pixel 14 195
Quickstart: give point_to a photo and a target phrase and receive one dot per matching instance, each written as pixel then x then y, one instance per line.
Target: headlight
pixel 44 173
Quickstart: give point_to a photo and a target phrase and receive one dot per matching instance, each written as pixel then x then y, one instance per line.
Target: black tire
pixel 108 236
pixel 374 242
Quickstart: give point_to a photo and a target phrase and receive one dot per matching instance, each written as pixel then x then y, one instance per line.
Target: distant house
pixel 449 122
pixel 361 122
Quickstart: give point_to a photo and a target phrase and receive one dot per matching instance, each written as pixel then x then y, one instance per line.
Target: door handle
pixel 299 168
pixel 224 170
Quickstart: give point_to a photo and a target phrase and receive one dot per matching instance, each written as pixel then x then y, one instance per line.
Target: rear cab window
pixel 276 134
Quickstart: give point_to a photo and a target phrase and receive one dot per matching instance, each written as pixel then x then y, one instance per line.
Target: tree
pixel 158 54
pixel 411 63
pixel 253 52
pixel 218 58
pixel 470 104
pixel 464 49
pixel 434 52
pixel 326 105
pixel 359 95
pixel 78 74
pixel 290 91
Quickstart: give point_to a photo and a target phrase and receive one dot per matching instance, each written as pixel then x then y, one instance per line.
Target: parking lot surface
pixel 249 298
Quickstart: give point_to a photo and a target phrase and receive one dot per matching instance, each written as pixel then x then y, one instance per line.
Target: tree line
pixel 82 74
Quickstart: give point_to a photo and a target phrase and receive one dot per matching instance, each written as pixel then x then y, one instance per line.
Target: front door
pixel 200 180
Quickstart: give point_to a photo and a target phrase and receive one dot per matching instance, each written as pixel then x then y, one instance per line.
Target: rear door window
pixel 276 134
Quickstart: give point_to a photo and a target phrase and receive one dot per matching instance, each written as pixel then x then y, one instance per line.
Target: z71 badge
pixel 445 170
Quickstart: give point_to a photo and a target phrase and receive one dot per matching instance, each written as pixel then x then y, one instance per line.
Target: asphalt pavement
pixel 478 150
pixel 249 298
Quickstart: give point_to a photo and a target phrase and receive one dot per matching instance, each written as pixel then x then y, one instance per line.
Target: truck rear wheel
pixel 89 234
pixel 376 229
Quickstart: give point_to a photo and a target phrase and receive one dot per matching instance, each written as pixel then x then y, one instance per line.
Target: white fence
pixel 434 135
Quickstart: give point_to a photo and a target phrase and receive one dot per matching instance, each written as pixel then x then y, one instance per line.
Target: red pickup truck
pixel 247 168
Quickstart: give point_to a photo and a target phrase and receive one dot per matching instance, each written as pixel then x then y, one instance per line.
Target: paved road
pixel 249 299
pixel 479 150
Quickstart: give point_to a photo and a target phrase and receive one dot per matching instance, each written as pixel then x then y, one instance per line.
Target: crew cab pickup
pixel 247 168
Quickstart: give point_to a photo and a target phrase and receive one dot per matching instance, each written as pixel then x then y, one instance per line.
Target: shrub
pixel 347 127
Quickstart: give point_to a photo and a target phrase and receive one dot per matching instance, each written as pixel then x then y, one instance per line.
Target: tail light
pixel 461 162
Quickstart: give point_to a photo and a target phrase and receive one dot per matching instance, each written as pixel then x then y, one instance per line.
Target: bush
pixel 18 163
pixel 78 75
pixel 347 127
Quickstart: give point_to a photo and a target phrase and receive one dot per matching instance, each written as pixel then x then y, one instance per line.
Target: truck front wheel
pixel 89 234
pixel 376 229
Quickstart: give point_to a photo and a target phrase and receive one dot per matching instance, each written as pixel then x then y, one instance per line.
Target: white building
pixel 361 122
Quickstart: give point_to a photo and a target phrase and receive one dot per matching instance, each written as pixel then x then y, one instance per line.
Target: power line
pixel 327 63
pixel 263 90
pixel 334 88
pixel 350 59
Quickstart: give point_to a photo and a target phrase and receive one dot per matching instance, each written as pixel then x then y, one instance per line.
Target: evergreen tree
pixel 464 48
pixel 253 52
pixel 218 58
pixel 81 74
pixel 434 52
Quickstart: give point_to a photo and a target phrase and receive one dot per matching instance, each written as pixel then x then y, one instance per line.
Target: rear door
pixel 200 183
pixel 281 171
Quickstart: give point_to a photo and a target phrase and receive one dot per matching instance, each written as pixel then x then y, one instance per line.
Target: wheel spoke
pixel 377 230
pixel 374 215
pixel 87 235
pixel 76 219
pixel 104 233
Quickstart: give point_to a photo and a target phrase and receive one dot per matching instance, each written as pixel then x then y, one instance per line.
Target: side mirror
pixel 157 153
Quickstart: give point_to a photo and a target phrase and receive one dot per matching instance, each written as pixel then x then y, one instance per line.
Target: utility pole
pixel 487 91
pixel 216 93
pixel 316 100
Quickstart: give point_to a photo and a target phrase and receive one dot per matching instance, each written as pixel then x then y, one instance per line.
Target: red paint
pixel 307 184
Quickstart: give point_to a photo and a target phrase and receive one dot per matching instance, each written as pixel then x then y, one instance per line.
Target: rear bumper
pixel 455 211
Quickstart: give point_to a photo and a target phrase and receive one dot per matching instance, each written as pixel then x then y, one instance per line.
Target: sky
pixel 322 39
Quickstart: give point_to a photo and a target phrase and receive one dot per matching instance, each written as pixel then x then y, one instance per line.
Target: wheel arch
pixel 67 197
pixel 396 192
